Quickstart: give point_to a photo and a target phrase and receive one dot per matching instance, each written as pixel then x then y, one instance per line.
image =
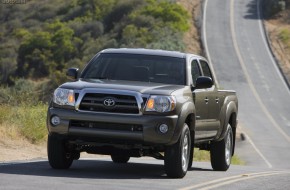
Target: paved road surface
pixel 236 46
pixel 144 173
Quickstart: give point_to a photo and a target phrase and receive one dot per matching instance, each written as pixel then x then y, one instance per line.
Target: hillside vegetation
pixel 277 14
pixel 39 40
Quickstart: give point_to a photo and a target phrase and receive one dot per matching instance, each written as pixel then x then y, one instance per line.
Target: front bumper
pixel 149 134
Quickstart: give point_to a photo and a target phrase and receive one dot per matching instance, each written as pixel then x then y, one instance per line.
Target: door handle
pixel 206 100
pixel 217 100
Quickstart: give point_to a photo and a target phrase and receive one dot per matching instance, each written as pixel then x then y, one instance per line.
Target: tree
pixel 33 55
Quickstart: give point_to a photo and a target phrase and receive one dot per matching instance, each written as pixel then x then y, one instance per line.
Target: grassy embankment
pixel 277 17
pixel 21 115
pixel 284 36
pixel 23 121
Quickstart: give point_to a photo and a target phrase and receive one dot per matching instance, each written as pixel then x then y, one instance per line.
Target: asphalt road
pixel 236 46
pixel 145 173
pixel 241 59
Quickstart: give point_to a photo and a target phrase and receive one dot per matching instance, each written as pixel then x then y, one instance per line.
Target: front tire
pixel 58 156
pixel 191 151
pixel 176 159
pixel 221 152
pixel 191 157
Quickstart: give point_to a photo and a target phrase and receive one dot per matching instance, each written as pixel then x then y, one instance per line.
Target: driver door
pixel 201 103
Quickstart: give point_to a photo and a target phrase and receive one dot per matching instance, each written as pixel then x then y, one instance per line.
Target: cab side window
pixel 195 72
pixel 205 69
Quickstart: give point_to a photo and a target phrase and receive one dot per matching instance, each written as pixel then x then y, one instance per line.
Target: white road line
pixel 243 178
pixel 262 31
pixel 248 78
pixel 205 42
pixel 233 179
pixel 258 151
pixel 243 67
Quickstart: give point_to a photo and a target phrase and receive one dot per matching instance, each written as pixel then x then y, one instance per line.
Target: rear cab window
pixel 205 68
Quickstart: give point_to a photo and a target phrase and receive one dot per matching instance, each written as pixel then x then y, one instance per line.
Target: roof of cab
pixel 148 52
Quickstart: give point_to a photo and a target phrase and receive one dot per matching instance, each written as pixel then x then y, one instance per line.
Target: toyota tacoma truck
pixel 141 102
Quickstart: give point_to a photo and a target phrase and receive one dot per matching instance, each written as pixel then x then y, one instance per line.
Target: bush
pixel 31 121
pixel 27 120
pixel 5 113
pixel 24 91
pixel 284 36
pixel 166 38
pixel 171 14
pixel 272 7
pixel 121 10
pixel 21 110
pixel 35 43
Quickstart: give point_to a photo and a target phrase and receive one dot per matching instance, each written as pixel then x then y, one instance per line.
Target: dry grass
pixel 284 36
pixel 204 156
pixel 191 38
pixel 22 132
pixel 278 29
pixel 24 121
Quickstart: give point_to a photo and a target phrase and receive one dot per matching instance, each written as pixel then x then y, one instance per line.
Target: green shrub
pixel 5 113
pixel 272 7
pixel 21 110
pixel 28 120
pixel 33 44
pixel 31 121
pixel 284 36
pixel 171 14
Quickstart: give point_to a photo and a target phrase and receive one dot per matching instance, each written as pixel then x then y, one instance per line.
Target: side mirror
pixel 203 82
pixel 72 73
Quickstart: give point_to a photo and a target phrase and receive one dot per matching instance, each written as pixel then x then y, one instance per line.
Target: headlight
pixel 161 103
pixel 64 97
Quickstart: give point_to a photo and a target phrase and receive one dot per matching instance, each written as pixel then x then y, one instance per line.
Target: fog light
pixel 55 120
pixel 163 128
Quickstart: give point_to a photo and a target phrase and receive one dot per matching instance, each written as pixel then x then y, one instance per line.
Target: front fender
pixel 188 109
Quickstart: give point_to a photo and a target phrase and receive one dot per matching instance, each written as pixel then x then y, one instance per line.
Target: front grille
pixel 106 126
pixel 122 103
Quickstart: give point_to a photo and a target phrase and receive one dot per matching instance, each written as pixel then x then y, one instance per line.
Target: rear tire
pixel 221 152
pixel 120 159
pixel 176 159
pixel 58 156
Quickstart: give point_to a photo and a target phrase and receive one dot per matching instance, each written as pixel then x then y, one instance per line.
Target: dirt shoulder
pixel 278 30
pixel 192 38
pixel 20 149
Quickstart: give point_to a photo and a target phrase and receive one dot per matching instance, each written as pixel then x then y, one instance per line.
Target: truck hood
pixel 142 87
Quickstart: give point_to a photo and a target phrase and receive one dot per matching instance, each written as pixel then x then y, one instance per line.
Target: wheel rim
pixel 185 154
pixel 228 148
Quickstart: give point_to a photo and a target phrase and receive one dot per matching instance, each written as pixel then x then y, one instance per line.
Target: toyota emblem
pixel 109 102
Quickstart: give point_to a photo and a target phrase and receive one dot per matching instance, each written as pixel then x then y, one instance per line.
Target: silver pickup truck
pixel 140 102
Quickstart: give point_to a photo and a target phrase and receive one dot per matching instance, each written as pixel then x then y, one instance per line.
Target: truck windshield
pixel 135 67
